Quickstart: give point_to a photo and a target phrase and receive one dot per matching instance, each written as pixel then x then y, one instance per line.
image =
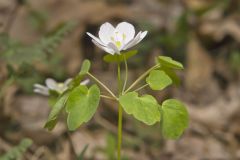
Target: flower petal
pixel 143 35
pixel 39 86
pixel 113 47
pixel 127 29
pixel 85 82
pixel 136 40
pixel 61 89
pixel 96 39
pixel 67 81
pixel 106 49
pixel 105 32
pixel 40 91
pixel 51 84
pixel 133 42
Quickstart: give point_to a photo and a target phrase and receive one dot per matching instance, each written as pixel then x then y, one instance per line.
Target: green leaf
pixel 81 105
pixel 56 110
pixel 169 62
pixel 158 80
pixel 18 151
pixel 85 67
pixel 119 57
pixel 172 74
pixel 84 70
pixel 145 108
pixel 53 97
pixel 174 118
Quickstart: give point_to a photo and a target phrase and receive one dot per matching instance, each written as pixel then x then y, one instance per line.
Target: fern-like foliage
pixel 16 53
pixel 21 58
pixel 17 152
pixel 50 42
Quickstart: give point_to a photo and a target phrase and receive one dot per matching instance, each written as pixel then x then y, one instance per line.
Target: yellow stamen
pixel 60 85
pixel 124 36
pixel 118 44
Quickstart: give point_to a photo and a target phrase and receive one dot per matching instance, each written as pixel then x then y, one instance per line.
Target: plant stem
pixel 103 85
pixel 141 77
pixel 138 89
pixel 107 97
pixel 126 74
pixel 119 115
pixel 119 131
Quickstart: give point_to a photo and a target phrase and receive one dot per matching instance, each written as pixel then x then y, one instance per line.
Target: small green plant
pixel 81 102
pixel 81 155
pixel 234 61
pixel 110 148
pixel 17 152
pixel 20 58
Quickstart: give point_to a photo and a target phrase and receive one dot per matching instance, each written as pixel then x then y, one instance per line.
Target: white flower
pixel 51 84
pixel 113 40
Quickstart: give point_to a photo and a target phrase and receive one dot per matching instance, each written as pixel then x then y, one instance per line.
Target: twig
pixel 72 145
pixel 4 145
pixel 106 124
pixel 12 17
pixel 38 153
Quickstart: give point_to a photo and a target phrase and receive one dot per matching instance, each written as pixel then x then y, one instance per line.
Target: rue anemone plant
pixel 81 101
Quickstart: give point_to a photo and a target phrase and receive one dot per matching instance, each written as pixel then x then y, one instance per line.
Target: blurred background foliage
pixel 40 39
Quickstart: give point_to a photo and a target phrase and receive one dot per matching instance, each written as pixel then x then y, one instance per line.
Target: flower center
pixel 118 38
pixel 61 88
pixel 118 44
pixel 60 85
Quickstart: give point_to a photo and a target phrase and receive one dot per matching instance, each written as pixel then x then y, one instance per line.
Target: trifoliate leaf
pixel 145 108
pixel 119 57
pixel 174 118
pixel 158 80
pixel 81 105
pixel 56 110
pixel 169 62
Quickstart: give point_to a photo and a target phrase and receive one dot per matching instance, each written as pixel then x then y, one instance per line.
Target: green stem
pixel 126 74
pixel 119 115
pixel 141 77
pixel 138 89
pixel 119 131
pixel 107 97
pixel 103 85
